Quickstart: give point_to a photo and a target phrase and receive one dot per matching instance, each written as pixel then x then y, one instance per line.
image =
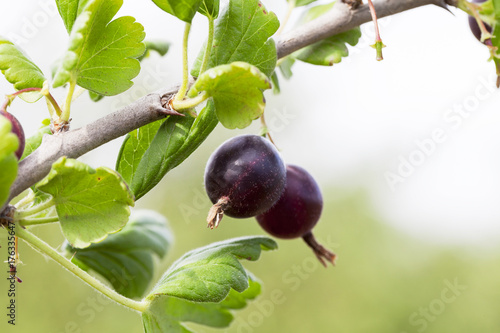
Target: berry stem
pixel 321 253
pixel 265 130
pixel 378 41
pixel 216 212
pixel 46 249
pixel 473 10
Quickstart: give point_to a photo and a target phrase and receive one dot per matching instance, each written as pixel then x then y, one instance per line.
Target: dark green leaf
pixel 182 9
pixel 237 92
pixel 134 146
pixel 20 70
pixel 243 34
pixel 144 164
pixel 196 287
pixel 126 258
pixel 8 162
pixel 101 54
pixel 209 8
pixel 90 203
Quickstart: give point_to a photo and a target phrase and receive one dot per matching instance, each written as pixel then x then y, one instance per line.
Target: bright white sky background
pixel 353 123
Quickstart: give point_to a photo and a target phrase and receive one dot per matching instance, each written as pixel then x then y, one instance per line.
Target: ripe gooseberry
pixel 297 211
pixel 17 129
pixel 244 176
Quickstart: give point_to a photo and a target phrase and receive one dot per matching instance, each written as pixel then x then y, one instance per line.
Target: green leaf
pixel 134 146
pixel 34 141
pixel 276 83
pixel 209 8
pixel 196 287
pixel 237 92
pixel 299 3
pixel 125 259
pixel 95 97
pixel 182 9
pixel 69 10
pixel 8 161
pixel 243 33
pixel 20 70
pixel 145 158
pixel 496 10
pixel 328 51
pixel 90 203
pixel 286 67
pixel 168 314
pixel 208 273
pixel 101 54
pixel 160 46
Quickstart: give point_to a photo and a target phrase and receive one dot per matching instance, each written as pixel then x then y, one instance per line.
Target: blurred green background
pixel 384 281
pixel 348 126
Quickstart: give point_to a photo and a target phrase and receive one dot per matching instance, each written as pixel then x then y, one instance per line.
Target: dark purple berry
pixel 244 177
pixel 297 211
pixel 17 129
pixel 474 27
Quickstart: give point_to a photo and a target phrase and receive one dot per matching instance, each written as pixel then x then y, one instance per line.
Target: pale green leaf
pixel 20 70
pixel 328 51
pixel 237 92
pixel 159 46
pixel 299 3
pixel 101 54
pixel 242 33
pixel 8 161
pixel 125 259
pixel 90 203
pixel 69 10
pixel 182 9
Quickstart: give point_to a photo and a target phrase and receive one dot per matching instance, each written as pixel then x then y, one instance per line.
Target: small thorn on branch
pixel 166 103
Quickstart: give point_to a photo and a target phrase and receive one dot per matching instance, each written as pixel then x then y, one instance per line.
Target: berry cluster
pixel 246 177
